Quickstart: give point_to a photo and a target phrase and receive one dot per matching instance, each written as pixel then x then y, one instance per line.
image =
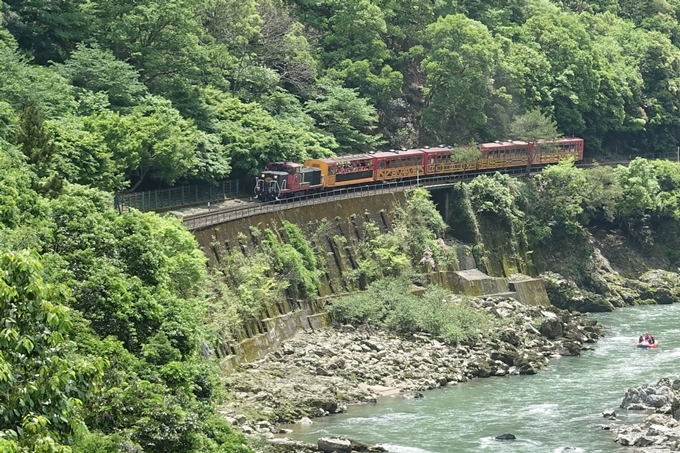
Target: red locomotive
pixel 284 179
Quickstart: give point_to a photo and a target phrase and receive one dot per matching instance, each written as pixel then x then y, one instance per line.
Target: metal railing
pixel 174 197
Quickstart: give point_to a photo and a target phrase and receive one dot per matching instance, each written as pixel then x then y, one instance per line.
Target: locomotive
pixel 284 179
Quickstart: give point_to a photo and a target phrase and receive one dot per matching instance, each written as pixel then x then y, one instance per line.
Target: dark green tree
pixel 346 117
pixel 533 126
pixel 459 65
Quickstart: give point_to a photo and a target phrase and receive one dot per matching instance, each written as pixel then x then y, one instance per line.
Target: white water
pixel 557 410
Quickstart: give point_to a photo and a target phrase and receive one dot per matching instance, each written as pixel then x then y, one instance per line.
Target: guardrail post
pixel 223 194
pixel 156 197
pixel 196 192
pixel 182 195
pixel 238 192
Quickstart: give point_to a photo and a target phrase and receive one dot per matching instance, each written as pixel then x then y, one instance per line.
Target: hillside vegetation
pixel 121 94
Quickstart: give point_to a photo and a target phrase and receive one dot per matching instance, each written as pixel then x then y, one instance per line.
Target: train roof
pixel 349 157
pixel 399 153
pixel 503 144
pixel 563 139
pixel 285 164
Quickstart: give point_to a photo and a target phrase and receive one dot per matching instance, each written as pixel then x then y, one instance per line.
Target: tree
pixel 82 156
pixel 42 381
pixel 36 143
pixel 47 29
pixel 22 83
pixel 573 63
pixel 603 194
pixel 97 70
pixel 153 140
pixel 159 38
pixel 254 137
pixel 459 66
pixel 556 200
pixel 465 155
pixel 534 126
pixel 346 117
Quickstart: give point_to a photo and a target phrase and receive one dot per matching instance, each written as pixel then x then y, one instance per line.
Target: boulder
pixel 563 293
pixel 661 286
pixel 285 444
pixel 334 444
pixel 506 436
pixel 649 397
pixel 551 325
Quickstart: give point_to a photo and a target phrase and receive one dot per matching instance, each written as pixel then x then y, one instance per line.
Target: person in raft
pixel 646 338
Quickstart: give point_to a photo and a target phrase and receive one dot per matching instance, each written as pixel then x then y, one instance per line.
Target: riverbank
pixel 317 373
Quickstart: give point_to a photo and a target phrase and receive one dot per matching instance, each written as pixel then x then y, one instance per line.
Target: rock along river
pixel 557 410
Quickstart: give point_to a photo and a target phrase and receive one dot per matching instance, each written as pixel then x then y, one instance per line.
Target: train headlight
pixel 276 176
pixel 262 176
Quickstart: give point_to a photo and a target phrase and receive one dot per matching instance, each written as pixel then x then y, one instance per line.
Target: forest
pixel 128 95
pixel 109 319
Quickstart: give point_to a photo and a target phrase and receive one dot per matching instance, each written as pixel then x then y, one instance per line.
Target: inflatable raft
pixel 646 345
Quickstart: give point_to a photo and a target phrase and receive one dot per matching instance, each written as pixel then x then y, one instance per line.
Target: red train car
pixel 280 179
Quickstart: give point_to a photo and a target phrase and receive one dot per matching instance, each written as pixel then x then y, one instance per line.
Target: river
pixel 557 410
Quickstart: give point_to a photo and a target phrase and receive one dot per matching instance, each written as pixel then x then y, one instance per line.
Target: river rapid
pixel 557 410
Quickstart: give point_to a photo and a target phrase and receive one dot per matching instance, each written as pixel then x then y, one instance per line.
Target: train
pixel 287 179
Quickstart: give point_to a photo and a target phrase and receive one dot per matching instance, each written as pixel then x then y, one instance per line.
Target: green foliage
pixel 249 287
pixel 557 202
pixel 294 261
pixel 466 156
pixel 424 227
pixel 640 187
pixel 153 140
pixel 533 126
pixel 602 196
pixel 347 117
pixel 498 195
pixel 254 138
pixel 81 156
pixel 46 29
pixel 38 363
pixel 98 442
pixel 22 83
pixel 388 304
pixel 459 68
pixel 93 69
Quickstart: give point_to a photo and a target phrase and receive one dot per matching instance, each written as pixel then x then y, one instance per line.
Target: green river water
pixel 557 410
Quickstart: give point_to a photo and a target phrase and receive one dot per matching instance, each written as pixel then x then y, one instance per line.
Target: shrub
pixel 388 304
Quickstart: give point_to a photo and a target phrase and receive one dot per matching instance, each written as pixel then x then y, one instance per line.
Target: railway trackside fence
pixel 186 195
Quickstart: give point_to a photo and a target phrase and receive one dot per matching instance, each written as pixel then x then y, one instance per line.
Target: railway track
pixel 224 215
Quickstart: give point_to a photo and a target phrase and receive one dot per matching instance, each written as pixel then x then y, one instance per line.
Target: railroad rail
pixel 224 215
